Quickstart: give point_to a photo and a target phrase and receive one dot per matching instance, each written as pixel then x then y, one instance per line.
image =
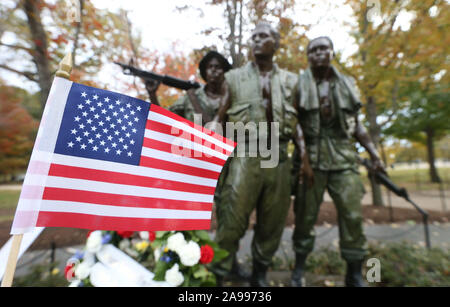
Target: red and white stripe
pixel 169 190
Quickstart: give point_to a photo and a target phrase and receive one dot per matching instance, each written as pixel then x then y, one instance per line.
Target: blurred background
pixel 397 51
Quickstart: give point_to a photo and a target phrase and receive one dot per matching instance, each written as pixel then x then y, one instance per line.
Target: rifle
pixel 386 181
pixel 164 79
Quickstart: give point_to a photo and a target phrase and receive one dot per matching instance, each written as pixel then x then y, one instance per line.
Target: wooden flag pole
pixel 12 261
pixel 65 67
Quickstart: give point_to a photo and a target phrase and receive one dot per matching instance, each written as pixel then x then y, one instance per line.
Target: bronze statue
pixel 259 92
pixel 204 100
pixel 329 104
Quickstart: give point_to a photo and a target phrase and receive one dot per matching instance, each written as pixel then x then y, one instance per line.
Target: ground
pixel 62 237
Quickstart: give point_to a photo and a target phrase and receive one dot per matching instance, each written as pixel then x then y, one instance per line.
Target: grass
pixel 8 203
pixel 414 179
pixel 9 199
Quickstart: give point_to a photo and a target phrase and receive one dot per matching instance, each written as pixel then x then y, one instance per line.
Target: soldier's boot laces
pixel 297 273
pixel 258 278
pixel 354 277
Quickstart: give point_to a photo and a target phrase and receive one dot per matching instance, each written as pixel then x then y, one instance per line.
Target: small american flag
pixel 107 161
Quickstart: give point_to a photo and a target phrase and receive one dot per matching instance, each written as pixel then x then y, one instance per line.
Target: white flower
pixel 82 270
pixel 75 283
pixel 173 276
pixel 175 242
pixel 89 258
pixel 94 242
pixel 144 235
pixel 189 253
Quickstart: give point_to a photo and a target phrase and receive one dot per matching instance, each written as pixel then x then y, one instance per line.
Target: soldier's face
pixel 262 42
pixel 214 71
pixel 320 53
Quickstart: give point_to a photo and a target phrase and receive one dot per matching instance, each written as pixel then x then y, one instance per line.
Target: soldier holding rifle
pixel 201 100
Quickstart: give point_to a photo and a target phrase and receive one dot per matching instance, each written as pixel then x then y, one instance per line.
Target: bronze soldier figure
pixel 258 92
pixel 202 101
pixel 329 104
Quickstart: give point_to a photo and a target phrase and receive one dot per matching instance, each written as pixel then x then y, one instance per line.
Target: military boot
pixel 239 272
pixel 297 273
pixel 258 278
pixel 354 278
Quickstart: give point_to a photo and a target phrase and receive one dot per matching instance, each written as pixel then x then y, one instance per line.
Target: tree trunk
pixel 374 131
pixel 234 14
pixel 434 176
pixel 40 53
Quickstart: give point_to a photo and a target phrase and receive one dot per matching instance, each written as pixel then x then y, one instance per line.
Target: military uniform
pixel 247 185
pixel 332 156
pixel 183 106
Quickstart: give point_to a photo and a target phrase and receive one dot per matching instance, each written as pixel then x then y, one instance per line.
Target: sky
pixel 161 25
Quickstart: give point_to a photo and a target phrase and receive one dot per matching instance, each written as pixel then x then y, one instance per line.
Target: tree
pixel 374 63
pixel 240 17
pixel 175 64
pixel 388 50
pixel 17 130
pixel 424 119
pixel 424 90
pixel 40 43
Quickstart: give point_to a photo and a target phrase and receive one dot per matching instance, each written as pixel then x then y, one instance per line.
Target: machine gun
pixel 386 181
pixel 164 79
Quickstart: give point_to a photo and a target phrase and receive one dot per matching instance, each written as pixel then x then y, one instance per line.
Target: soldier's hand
pixel 306 175
pixel 152 85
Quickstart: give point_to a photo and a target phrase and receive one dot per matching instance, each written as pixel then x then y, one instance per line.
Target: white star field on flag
pixel 106 126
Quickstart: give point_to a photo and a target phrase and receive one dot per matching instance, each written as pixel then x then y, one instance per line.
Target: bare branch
pixel 29 50
pixel 27 74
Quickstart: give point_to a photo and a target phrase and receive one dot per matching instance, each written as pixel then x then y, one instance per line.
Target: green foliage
pixel 325 262
pixel 426 110
pixel 9 199
pixel 41 276
pixel 17 132
pixel 404 264
pixel 196 275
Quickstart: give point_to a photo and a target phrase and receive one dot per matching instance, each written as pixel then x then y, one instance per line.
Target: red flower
pixel 151 236
pixel 69 269
pixel 206 254
pixel 125 234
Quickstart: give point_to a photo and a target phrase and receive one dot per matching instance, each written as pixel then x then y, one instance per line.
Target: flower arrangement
pixel 180 258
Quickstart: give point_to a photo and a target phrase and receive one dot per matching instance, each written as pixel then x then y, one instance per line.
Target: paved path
pixel 14 187
pixel 327 236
